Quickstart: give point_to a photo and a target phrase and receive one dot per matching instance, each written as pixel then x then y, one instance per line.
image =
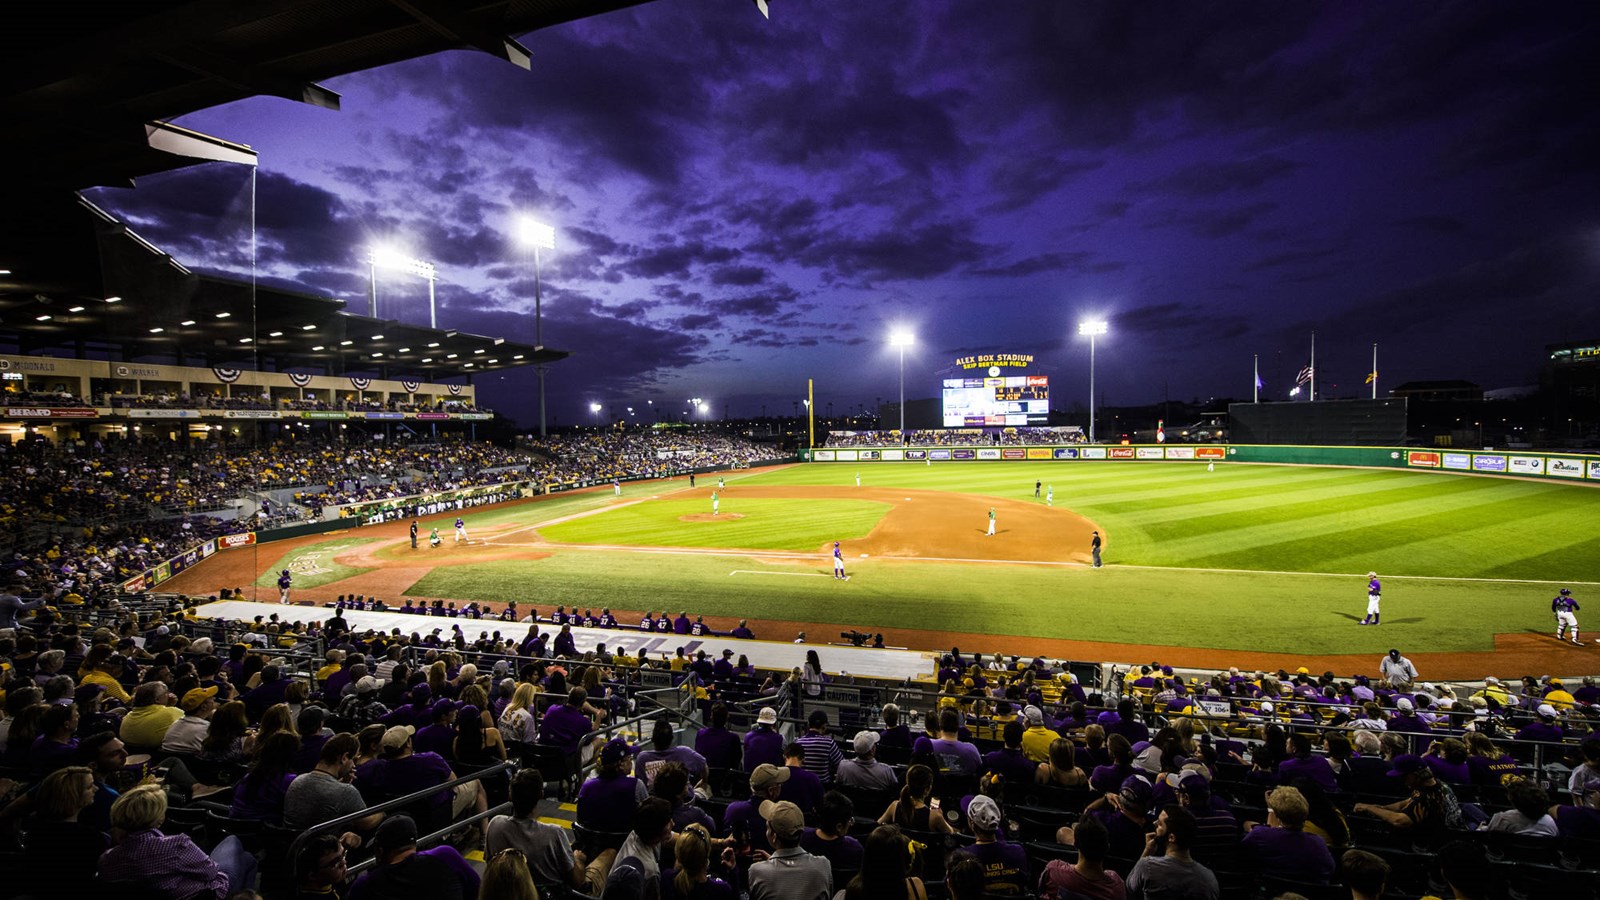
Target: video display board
pixel 1012 400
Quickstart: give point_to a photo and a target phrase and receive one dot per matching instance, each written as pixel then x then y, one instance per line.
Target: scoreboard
pixel 1014 400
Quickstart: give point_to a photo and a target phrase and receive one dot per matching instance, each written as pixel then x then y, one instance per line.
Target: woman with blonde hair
pixel 439 680
pixel 62 852
pixel 691 880
pixel 168 864
pixel 519 722
pixel 506 877
pixel 275 720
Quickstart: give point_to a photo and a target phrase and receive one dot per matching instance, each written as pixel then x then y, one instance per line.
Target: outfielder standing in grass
pixel 715 502
pixel 1565 608
pixel 1374 589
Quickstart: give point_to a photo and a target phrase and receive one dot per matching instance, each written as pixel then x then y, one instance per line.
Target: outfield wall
pixel 1571 467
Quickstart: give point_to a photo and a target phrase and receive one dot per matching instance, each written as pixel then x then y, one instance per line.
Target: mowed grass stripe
pixel 1541 543
pixel 1381 518
pixel 767 524
pixel 1254 495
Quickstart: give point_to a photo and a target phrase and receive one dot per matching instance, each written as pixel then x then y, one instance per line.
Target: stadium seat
pixel 1272 886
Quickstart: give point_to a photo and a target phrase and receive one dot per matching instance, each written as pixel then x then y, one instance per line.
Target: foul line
pixel 793 574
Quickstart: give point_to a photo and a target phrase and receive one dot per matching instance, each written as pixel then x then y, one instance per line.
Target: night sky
pixel 741 204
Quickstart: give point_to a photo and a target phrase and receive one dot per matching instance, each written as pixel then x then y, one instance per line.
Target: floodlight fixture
pixel 1092 328
pixel 901 338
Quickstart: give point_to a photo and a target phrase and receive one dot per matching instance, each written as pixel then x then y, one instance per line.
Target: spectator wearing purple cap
pixel 1125 815
pixel 1429 812
pixel 1282 847
pixel 607 801
pixel 440 734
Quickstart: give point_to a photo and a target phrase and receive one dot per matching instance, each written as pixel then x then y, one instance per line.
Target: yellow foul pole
pixel 811 414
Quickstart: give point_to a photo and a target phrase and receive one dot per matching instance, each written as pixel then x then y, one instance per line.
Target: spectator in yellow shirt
pixel 106 674
pixel 1037 738
pixel 145 726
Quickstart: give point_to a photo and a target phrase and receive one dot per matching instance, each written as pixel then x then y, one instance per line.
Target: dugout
pixel 1339 423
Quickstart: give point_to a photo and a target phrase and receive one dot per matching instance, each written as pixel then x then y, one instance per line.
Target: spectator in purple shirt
pixel 804 789
pixel 608 801
pixel 401 870
pixel 440 734
pixel 55 747
pixel 1005 863
pixel 743 632
pixel 896 735
pixel 1543 728
pixel 720 747
pixel 1008 762
pixel 742 819
pixel 954 756
pixel 1281 847
pixel 664 750
pixel 1128 724
pixel 565 724
pixel 1302 762
pixel 681 624
pixel 763 745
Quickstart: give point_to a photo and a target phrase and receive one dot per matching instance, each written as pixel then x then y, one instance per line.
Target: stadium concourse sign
pixel 1566 466
pixel 52 412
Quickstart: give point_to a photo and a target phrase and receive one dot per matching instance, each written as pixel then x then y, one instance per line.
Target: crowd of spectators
pixel 56 399
pixel 203 400
pixel 602 456
pixel 1014 779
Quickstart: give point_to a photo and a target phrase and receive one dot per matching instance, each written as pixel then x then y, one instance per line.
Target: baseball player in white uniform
pixel 461 530
pixel 1566 610
pixel 1374 589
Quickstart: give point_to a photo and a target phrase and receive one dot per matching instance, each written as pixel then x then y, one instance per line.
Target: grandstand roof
pixel 86 91
pixel 80 83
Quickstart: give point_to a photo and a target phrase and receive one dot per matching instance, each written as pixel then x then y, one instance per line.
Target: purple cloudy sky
pixel 741 204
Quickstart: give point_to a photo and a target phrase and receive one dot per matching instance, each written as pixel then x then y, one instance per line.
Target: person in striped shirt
pixel 822 751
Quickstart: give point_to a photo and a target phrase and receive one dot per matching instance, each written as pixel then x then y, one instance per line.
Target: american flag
pixel 1304 376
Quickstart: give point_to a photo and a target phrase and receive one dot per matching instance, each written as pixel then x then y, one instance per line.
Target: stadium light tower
pixel 1091 328
pixel 902 339
pixel 539 236
pixel 382 257
pixel 594 411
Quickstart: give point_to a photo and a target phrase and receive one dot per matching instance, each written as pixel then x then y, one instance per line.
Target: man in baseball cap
pixel 790 871
pixel 763 744
pixel 743 818
pixel 187 734
pixel 401 870
pixel 1431 810
pixel 1005 863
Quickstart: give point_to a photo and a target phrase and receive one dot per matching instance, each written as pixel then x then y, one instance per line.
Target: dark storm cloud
pixel 765 304
pixel 739 276
pixel 917 253
pixel 1178 324
pixel 774 215
pixel 675 260
pixel 1211 223
pixel 696 321
pixel 1210 178
pixel 1018 182
pixel 642 91
pixel 1044 262
pixel 1443 225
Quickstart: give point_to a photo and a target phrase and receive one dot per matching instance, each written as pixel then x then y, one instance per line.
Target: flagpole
pixel 1313 367
pixel 1255 397
pixel 1374 371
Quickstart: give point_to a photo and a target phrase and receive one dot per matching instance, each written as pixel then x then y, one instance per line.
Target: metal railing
pixel 337 825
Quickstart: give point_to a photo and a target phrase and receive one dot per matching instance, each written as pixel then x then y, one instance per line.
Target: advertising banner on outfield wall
pixel 1180 453
pixel 959 453
pixel 824 455
pixel 230 541
pixel 1038 453
pixel 869 454
pixel 989 453
pixel 1211 453
pixel 1092 453
pixel 1488 462
pixel 1458 461
pixel 1527 465
pixel 1425 458
pixel 894 455
pixel 1120 453
pixel 1014 453
pixel 918 455
pixel 1148 453
pixel 1066 453
pixel 846 455
pixel 1594 469
pixel 938 454
pixel 1564 468
pixel 208 548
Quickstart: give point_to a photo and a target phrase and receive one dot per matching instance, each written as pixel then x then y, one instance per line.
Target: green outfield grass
pixel 1246 557
pixel 318 558
pixel 764 524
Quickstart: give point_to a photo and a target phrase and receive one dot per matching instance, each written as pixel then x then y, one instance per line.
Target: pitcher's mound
pixel 708 517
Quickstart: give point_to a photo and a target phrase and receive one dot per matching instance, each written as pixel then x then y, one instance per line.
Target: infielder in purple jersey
pixel 1565 608
pixel 838 563
pixel 1374 589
